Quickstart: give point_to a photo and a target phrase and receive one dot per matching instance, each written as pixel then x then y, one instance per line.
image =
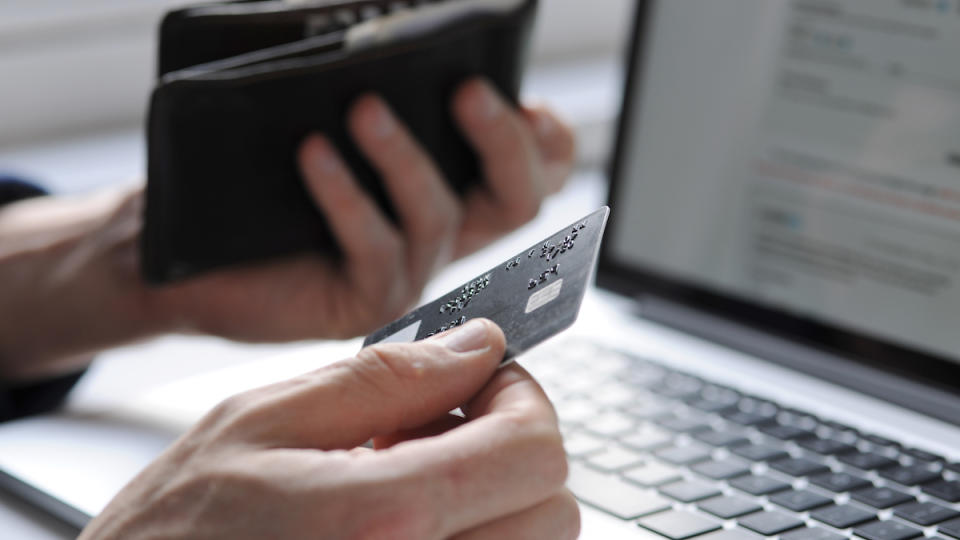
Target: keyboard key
pixel 770 523
pixel 785 433
pixel 800 500
pixel 613 459
pixel 925 514
pixel 746 418
pixel 799 419
pixel 867 461
pixel 610 494
pixel 683 455
pixel 812 533
pixel 881 497
pixel 881 441
pixel 759 485
pixel 948 490
pixel 826 447
pixel 679 524
pixel 576 411
pixel 689 492
pixel 720 394
pixel 721 438
pixel 647 438
pixel 837 426
pixel 582 444
pixel 650 409
pixel 613 395
pixel 922 455
pixel 951 528
pixel 644 376
pixel 910 476
pixel 683 425
pixel 715 407
pixel 652 475
pixel 722 470
pixel 839 482
pixel 679 386
pixel 799 467
pixel 759 452
pixel 842 516
pixel 758 406
pixel 609 424
pixel 729 507
pixel 887 530
pixel 730 534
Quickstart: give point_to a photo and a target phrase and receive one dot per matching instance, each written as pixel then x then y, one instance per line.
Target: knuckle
pixel 236 415
pixel 388 368
pixel 437 224
pixel 402 519
pixel 541 444
pixel 230 409
pixel 383 251
pixel 377 364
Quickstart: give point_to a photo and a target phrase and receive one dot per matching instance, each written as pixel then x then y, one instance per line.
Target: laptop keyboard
pixel 687 458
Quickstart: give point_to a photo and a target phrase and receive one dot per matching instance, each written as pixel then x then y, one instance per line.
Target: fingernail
pixel 488 104
pixel 383 123
pixel 472 336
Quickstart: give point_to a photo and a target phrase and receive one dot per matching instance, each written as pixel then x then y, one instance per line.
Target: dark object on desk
pixel 532 296
pixel 13 189
pixel 242 84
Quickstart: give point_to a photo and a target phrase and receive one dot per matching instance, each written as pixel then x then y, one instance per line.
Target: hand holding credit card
pixel 532 296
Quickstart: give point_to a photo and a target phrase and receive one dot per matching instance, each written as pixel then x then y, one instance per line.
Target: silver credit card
pixel 532 296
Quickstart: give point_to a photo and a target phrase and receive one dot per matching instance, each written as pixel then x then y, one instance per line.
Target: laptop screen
pixel 796 163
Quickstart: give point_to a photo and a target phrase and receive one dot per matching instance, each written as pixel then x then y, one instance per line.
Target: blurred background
pixel 76 79
pixel 77 74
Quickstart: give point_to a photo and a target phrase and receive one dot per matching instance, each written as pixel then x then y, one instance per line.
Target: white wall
pixel 71 66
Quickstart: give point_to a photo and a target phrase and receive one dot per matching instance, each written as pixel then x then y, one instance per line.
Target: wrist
pixel 70 282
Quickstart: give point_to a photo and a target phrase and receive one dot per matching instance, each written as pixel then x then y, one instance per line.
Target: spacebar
pixel 613 495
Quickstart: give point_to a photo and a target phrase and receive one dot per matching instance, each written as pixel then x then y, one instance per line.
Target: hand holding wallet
pixel 240 87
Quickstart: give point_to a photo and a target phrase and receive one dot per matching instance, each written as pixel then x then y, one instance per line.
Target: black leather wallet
pixel 242 83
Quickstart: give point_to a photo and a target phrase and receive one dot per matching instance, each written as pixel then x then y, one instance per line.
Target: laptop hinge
pixel 846 372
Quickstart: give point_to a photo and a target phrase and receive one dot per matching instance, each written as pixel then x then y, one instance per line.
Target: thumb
pixel 383 389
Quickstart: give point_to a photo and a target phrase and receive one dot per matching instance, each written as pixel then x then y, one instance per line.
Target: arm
pixel 70 285
pixel 69 265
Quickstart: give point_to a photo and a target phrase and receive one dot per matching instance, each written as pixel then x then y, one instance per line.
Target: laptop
pixel 777 354
pixel 773 351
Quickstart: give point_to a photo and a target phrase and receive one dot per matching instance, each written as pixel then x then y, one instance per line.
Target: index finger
pixel 507 458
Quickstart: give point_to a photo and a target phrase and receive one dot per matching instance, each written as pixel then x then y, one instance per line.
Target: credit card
pixel 532 296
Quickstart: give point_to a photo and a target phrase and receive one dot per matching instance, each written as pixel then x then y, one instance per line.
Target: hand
pixel 526 156
pixel 282 461
pixel 68 266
